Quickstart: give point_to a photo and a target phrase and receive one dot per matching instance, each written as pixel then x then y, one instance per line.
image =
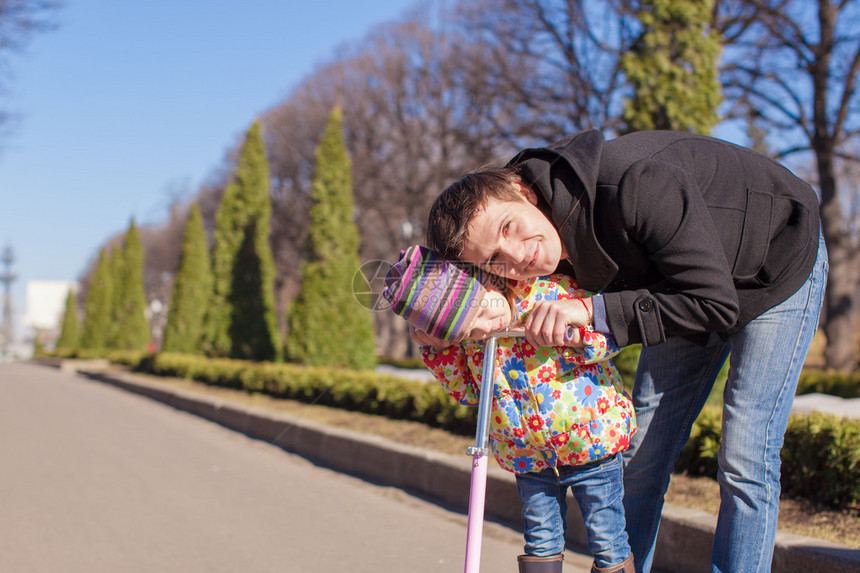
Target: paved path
pixel 98 480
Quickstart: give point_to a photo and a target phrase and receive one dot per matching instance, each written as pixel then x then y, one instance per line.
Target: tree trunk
pixel 841 246
pixel 838 326
pixel 844 274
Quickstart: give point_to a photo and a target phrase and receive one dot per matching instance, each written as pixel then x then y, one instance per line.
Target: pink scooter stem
pixel 477 491
pixel 477 495
pixel 479 453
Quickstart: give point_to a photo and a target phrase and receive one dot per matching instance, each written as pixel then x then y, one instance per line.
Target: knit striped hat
pixel 435 295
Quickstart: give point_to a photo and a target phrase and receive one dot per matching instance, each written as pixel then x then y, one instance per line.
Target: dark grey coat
pixel 683 234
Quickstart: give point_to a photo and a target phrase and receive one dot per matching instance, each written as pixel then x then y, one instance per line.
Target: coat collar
pixel 564 174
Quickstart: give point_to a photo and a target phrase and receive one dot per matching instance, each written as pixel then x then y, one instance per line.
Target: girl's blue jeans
pixel 673 381
pixel 598 488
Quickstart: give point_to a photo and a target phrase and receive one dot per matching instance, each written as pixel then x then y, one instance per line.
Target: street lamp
pixel 7 278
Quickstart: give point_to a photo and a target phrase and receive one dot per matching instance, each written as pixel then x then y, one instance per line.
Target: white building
pixel 45 304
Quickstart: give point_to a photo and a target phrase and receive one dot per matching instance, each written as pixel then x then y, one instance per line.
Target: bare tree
pixel 794 65
pixel 413 130
pixel 291 132
pixel 19 21
pixel 410 127
pixel 547 68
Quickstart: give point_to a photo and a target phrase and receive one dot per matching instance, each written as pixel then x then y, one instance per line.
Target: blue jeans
pixel 673 381
pixel 598 488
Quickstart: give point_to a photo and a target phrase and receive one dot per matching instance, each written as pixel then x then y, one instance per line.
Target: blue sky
pixel 128 102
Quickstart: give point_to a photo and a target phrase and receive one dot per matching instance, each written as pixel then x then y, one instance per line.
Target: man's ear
pixel 527 193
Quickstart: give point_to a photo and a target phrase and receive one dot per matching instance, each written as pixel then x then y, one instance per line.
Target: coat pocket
pixel 755 237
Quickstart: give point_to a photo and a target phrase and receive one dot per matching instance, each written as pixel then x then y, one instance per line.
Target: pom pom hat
pixel 438 296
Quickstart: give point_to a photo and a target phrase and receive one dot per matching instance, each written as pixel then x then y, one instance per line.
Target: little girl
pixel 560 418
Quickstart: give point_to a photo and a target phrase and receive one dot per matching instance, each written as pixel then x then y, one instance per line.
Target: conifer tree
pixel 70 332
pixel 328 325
pixel 243 222
pixel 133 327
pixel 114 263
pixel 38 345
pixel 97 306
pixel 673 68
pixel 250 334
pixel 192 290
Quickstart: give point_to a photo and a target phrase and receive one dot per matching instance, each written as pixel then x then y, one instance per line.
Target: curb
pixel 683 544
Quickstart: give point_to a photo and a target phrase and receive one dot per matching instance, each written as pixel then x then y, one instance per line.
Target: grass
pixel 698 493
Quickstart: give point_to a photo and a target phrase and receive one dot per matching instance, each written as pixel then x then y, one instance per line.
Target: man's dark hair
pixel 454 209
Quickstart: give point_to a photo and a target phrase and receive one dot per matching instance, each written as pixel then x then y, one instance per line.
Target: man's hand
pixel 548 321
pixel 423 339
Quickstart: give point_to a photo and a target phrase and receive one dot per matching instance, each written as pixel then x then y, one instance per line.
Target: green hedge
pixel 126 357
pixel 820 456
pixel 699 456
pixel 821 460
pixel 833 383
pixel 348 389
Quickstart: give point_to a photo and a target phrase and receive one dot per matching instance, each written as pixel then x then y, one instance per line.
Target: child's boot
pixel 625 566
pixel 533 564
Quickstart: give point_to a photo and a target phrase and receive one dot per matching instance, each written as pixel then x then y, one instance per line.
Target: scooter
pixel 480 451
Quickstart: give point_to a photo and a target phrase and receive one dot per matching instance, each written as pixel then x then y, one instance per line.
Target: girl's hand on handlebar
pixel 423 339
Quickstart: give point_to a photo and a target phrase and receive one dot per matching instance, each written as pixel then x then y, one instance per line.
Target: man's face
pixel 513 239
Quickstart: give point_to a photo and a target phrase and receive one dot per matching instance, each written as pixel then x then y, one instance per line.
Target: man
pixel 701 249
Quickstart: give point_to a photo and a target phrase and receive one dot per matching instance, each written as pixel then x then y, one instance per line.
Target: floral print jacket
pixel 551 406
